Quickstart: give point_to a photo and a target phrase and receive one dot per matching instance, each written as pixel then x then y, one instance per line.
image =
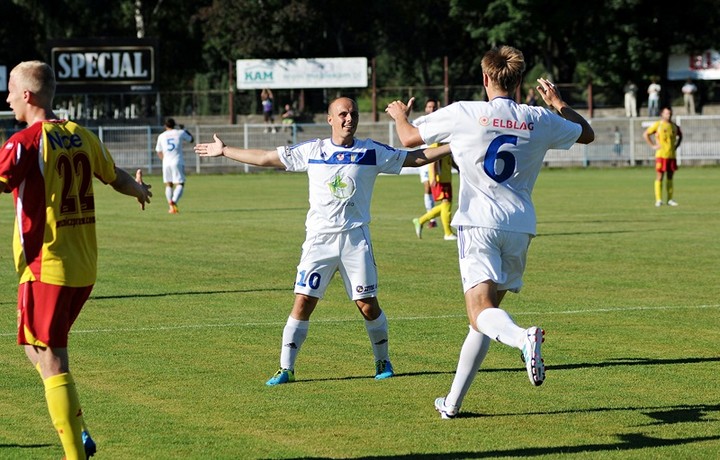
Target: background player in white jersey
pixel 499 146
pixel 431 105
pixel 170 150
pixel 341 174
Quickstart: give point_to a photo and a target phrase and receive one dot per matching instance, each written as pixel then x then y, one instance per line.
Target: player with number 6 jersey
pixel 499 146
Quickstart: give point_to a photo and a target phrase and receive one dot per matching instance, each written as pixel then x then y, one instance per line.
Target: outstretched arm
pixel 421 157
pixel 125 184
pixel 552 98
pixel 268 158
pixel 409 135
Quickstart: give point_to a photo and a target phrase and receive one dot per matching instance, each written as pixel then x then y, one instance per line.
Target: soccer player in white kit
pixel 341 174
pixel 169 148
pixel 499 146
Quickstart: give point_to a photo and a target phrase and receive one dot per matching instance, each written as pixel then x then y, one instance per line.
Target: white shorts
pixel 349 253
pixel 424 172
pixel 173 173
pixel 489 254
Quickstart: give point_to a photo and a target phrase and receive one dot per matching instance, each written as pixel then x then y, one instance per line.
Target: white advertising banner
pixel 703 66
pixel 302 73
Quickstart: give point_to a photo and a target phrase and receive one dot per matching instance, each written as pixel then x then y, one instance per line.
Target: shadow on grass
pixel 186 293
pixel 175 293
pixel 25 446
pixel 559 367
pixel 626 442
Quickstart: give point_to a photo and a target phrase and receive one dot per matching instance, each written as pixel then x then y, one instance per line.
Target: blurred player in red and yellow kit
pixel 440 175
pixel 49 167
pixel 665 137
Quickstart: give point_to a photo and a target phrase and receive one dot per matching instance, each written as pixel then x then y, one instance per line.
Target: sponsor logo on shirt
pixel 342 187
pixel 507 124
pixel 57 140
pixel 75 222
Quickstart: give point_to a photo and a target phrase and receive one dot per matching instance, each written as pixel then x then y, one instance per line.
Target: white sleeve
pixel 296 157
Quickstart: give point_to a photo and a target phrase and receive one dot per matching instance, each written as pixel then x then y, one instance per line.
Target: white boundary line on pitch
pixel 393 319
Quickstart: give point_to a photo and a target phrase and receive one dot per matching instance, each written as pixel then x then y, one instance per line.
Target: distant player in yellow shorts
pixel 49 167
pixel 665 137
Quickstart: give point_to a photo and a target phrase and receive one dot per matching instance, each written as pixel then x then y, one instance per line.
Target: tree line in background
pixel 603 42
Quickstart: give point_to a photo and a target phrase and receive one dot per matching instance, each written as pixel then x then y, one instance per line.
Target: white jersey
pixel 170 143
pixel 341 179
pixel 499 148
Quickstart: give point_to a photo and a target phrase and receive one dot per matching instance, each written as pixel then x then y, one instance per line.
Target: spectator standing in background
pixel 653 98
pixel 531 98
pixel 266 98
pixel 630 90
pixel 288 117
pixel 689 89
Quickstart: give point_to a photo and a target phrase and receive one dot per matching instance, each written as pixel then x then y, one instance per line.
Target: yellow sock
pixel 39 371
pixel 670 189
pixel 658 190
pixel 64 407
pixel 445 216
pixel 431 214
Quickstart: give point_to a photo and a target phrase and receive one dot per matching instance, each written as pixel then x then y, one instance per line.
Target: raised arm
pixel 421 157
pixel 125 184
pixel 408 134
pixel 257 157
pixel 552 98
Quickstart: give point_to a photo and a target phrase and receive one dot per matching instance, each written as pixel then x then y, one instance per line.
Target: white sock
pixel 177 193
pixel 472 354
pixel 168 193
pixel 499 326
pixel 294 335
pixel 429 203
pixel 377 330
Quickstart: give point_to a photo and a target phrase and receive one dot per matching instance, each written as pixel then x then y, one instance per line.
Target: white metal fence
pixel 618 142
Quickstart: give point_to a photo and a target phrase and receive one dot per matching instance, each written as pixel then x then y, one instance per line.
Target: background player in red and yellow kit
pixel 440 174
pixel 49 167
pixel 665 137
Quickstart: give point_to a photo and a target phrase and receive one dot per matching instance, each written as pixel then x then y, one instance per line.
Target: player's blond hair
pixel 36 77
pixel 504 65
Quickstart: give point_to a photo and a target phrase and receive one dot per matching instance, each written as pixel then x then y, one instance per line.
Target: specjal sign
pixel 103 66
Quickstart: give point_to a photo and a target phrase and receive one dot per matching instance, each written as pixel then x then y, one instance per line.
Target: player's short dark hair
pixel 170 122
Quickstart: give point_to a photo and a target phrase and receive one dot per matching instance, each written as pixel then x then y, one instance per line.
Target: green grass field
pixel 172 351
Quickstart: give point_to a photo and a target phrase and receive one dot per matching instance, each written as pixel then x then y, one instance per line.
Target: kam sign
pixel 302 73
pixel 99 66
